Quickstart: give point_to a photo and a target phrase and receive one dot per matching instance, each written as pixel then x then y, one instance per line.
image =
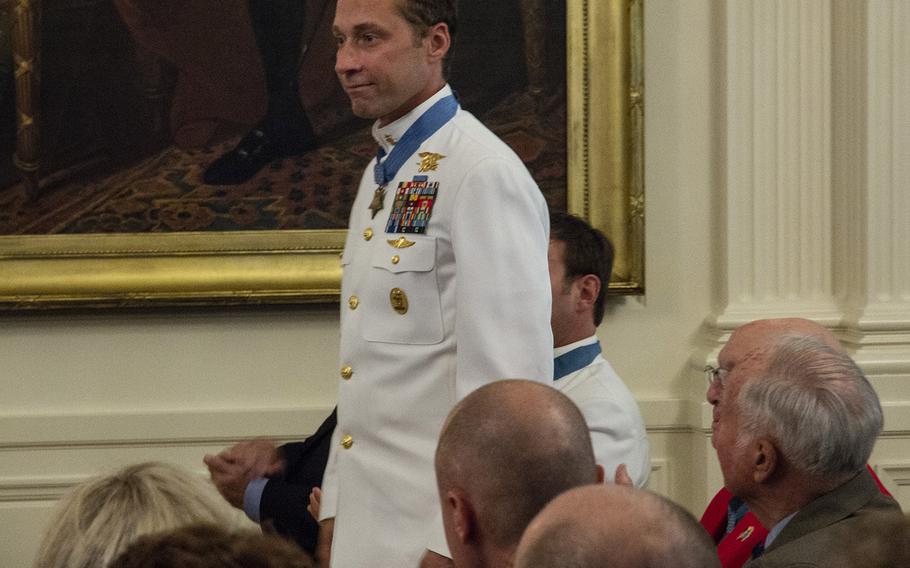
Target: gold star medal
pixel 429 161
pixel 376 204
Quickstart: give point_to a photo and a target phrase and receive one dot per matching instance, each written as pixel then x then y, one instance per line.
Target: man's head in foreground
pixel 794 417
pixel 505 451
pixel 615 526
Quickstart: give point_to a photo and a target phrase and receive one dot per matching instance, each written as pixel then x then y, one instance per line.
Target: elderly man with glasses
pixel 794 424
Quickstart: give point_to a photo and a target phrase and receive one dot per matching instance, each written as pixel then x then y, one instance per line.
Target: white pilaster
pixel 777 151
pixel 872 183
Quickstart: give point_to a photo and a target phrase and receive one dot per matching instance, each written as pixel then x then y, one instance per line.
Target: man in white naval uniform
pixel 581 260
pixel 444 284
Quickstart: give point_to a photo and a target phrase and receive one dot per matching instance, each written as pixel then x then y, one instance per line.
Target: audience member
pixel 272 484
pixel 795 421
pixel 505 451
pixel 581 260
pixel 212 546
pixel 727 518
pixel 98 519
pixel 615 526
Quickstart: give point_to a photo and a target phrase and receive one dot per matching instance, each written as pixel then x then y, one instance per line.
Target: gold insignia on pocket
pixel 429 161
pixel 400 243
pixel 399 300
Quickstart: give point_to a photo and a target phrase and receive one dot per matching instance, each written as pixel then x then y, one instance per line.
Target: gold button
pixel 346 372
pixel 367 234
pixel 396 259
pixel 399 300
pixel 347 442
pixel 353 302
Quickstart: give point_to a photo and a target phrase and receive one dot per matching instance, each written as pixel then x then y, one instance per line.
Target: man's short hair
pixel 211 546
pixel 424 14
pixel 816 405
pixel 588 251
pixel 511 463
pixel 628 528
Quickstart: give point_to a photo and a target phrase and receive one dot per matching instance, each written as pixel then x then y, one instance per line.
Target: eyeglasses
pixel 715 376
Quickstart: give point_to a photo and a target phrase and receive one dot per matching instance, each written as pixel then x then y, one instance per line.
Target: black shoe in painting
pixel 255 151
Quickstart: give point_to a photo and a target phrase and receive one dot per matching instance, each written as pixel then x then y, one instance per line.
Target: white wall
pixel 86 393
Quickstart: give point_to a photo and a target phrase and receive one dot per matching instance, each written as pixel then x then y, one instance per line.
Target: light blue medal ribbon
pixel 429 122
pixel 576 359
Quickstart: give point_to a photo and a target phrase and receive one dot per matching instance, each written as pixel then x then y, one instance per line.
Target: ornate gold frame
pixel 605 186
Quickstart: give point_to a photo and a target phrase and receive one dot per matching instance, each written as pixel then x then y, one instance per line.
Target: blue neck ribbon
pixel 576 359
pixel 429 122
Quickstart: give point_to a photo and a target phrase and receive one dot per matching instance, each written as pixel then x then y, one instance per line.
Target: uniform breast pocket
pixel 403 304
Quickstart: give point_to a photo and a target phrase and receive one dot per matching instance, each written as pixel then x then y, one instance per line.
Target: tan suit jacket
pixel 822 533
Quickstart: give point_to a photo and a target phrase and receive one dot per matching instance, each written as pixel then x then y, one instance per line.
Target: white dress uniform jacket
pixel 424 322
pixel 617 430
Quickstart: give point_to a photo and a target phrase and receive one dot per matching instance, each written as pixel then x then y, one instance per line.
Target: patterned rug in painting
pixel 164 192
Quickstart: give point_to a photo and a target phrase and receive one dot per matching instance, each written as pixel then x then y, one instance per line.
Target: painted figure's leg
pixel 284 130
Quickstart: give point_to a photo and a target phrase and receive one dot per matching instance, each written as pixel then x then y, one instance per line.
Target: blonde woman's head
pixel 99 518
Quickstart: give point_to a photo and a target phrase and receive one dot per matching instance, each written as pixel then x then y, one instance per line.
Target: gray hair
pixel 817 406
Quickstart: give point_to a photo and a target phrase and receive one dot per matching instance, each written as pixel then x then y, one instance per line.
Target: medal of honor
pixel 376 203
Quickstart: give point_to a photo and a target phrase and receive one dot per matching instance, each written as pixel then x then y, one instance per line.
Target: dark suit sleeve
pixel 284 500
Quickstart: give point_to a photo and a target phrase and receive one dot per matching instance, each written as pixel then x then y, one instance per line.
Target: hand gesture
pixel 235 467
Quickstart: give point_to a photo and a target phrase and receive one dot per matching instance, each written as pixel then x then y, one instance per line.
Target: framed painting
pixel 138 230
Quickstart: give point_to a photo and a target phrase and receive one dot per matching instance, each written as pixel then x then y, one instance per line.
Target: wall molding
pixel 27 489
pixel 894 475
pixel 896 472
pixel 219 427
pixel 155 428
pixel 46 488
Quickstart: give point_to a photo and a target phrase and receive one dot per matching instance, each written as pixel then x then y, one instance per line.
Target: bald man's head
pixel 506 450
pixel 616 526
pixel 764 334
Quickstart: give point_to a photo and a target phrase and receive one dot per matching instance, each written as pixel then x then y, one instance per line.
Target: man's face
pixel 382 65
pixel 563 314
pixel 741 359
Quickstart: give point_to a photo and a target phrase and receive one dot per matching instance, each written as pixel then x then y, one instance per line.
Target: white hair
pixel 817 406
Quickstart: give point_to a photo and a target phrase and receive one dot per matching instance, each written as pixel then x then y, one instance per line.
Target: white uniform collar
pixel 580 343
pixel 389 134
